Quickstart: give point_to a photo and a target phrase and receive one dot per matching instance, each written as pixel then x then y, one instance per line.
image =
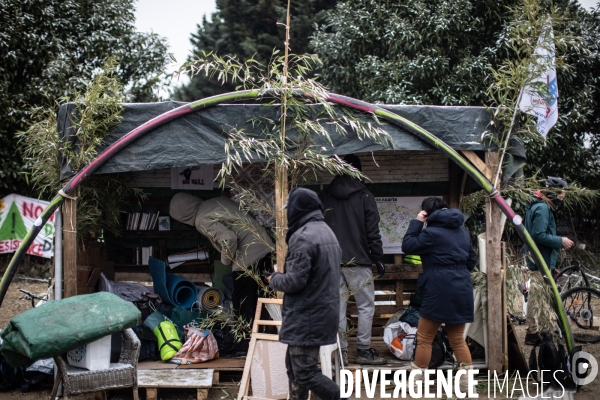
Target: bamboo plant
pixel 101 199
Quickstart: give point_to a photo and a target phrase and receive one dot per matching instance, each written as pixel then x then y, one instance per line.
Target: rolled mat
pixel 209 298
pixel 171 288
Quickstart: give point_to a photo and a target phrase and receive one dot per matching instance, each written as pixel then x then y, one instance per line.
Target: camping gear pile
pixel 171 316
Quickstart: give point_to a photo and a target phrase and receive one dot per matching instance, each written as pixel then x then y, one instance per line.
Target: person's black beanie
pixel 354 161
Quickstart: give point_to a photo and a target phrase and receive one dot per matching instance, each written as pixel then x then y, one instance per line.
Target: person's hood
pixel 541 197
pixel 343 186
pixel 447 217
pixel 183 208
pixel 303 205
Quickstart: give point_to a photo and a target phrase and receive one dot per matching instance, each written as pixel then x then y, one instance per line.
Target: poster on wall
pixel 17 216
pixel 395 214
pixel 199 177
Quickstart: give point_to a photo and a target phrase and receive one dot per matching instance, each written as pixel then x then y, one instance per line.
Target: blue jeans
pixel 304 375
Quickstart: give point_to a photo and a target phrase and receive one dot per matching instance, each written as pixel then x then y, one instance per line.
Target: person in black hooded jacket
pixel 351 213
pixel 311 302
pixel 445 283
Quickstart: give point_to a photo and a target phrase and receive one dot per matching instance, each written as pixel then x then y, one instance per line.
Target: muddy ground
pixel 13 305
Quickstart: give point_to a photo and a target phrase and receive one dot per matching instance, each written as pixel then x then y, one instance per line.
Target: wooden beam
pixel 482 166
pixel 69 212
pixel 496 311
pixel 453 184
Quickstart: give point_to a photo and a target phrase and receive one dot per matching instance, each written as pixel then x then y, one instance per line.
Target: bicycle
pixel 42 298
pixel 573 276
pixel 580 304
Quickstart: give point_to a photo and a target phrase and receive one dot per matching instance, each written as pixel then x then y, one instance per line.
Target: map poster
pixel 199 177
pixel 395 214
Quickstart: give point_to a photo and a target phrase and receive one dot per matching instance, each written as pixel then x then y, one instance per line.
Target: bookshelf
pixel 122 249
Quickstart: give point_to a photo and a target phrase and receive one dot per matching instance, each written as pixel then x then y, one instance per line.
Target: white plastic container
pixel 93 356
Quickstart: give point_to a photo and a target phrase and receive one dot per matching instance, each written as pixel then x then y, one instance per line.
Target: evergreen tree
pixel 249 28
pixel 443 53
pixel 52 48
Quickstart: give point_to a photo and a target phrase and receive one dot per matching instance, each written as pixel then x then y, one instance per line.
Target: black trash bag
pixel 439 351
pixel 410 316
pixel 149 303
pixel 227 344
pixel 10 377
pixel 148 343
pixel 32 379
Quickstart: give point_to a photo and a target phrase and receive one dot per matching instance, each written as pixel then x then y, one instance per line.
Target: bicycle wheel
pixel 582 306
pixel 569 278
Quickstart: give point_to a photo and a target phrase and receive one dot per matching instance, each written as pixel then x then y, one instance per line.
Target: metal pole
pixel 58 253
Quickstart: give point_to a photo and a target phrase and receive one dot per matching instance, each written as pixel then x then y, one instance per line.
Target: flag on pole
pixel 540 97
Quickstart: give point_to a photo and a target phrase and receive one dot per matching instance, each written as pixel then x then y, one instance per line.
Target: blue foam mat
pixel 172 288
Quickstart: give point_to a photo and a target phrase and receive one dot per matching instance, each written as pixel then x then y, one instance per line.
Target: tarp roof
pixel 198 138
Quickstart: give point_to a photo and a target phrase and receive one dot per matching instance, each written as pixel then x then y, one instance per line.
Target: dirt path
pixel 13 305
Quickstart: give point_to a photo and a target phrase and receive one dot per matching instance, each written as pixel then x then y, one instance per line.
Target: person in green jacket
pixel 540 222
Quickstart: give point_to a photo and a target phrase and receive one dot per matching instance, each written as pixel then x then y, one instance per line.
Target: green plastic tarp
pixel 62 325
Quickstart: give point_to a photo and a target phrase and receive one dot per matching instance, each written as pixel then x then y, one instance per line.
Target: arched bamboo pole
pixel 355 104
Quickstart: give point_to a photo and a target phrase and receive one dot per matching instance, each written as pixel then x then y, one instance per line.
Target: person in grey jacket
pixel 311 302
pixel 351 213
pixel 240 239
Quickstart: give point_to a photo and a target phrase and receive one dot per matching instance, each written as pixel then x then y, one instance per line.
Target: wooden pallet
pixel 152 380
pixel 217 366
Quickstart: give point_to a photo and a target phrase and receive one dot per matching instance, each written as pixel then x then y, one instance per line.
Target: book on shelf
pixel 142 254
pixel 142 221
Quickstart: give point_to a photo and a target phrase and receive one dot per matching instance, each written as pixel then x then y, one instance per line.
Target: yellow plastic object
pixel 412 259
pixel 168 340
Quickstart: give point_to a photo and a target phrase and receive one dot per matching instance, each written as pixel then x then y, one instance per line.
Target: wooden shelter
pixel 413 168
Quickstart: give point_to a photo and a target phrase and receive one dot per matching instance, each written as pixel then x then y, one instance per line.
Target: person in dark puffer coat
pixel 447 292
pixel 311 304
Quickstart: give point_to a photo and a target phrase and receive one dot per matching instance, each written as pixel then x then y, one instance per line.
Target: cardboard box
pixel 93 356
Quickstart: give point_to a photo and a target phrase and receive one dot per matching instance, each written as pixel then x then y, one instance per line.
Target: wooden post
pixel 151 394
pixel 69 212
pixel 399 293
pixel 201 394
pixel 453 184
pixel 496 311
pixel 281 194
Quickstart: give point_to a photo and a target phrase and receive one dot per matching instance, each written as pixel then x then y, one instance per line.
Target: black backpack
pixel 438 350
pixel 552 358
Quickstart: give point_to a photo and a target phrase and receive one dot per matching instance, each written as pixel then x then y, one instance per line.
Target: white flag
pixel 540 97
